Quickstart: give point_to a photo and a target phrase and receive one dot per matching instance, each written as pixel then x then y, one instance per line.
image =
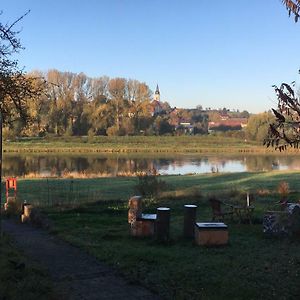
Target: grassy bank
pixel 19 278
pixel 252 266
pixel 132 144
pixel 76 191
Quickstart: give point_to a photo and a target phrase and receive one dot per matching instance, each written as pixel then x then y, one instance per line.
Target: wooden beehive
pixel 211 234
pixel 143 226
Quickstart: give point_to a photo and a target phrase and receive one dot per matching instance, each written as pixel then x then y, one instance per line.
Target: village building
pixel 228 124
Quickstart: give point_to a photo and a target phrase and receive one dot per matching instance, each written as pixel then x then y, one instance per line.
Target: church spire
pixel 157 90
pixel 157 94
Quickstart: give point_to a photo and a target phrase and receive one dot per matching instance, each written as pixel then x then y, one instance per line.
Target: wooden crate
pixel 211 234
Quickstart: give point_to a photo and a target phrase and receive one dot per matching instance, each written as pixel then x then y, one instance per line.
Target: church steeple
pixel 157 94
pixel 157 90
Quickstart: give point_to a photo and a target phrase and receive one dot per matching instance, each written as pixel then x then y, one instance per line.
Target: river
pixel 81 165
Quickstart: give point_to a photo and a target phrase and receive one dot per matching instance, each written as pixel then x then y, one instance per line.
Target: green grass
pixel 19 278
pixel 132 144
pixel 252 266
pixel 76 191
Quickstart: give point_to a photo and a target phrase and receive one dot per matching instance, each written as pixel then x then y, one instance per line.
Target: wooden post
pixel 27 210
pixel 25 217
pixel 163 223
pixel 189 220
pixel 135 208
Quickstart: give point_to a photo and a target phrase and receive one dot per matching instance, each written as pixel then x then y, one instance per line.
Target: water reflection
pixel 117 165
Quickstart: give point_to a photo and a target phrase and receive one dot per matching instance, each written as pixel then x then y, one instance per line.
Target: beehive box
pixel 211 234
pixel 143 226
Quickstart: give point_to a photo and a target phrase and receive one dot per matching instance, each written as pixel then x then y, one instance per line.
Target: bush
pixel 283 190
pixel 150 186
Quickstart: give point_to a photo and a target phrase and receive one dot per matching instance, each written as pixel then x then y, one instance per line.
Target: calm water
pixel 112 165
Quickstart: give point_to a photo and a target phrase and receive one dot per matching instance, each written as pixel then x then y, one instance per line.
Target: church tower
pixel 157 94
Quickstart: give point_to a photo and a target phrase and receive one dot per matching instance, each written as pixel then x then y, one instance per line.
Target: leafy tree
pixel 118 102
pixel 257 127
pixel 15 87
pixel 293 7
pixel 162 126
pixel 285 130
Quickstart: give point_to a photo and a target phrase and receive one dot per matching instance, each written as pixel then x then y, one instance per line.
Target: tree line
pixel 75 104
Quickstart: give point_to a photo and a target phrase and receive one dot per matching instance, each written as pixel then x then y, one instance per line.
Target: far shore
pixel 140 144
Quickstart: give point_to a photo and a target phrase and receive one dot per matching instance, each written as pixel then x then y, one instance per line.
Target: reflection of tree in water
pixel 268 163
pixel 14 165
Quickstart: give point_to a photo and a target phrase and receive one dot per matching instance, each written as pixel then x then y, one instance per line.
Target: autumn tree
pixel 293 7
pixel 139 96
pixel 15 87
pixel 285 130
pixel 117 104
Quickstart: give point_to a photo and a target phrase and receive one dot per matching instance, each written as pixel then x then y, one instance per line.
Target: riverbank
pixel 133 144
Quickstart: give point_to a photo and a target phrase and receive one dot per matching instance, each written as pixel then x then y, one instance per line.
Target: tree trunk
pixel 1 123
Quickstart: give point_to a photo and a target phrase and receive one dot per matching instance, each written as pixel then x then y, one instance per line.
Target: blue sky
pixel 214 53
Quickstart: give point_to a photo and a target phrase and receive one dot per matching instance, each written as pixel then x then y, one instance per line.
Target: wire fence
pixel 50 193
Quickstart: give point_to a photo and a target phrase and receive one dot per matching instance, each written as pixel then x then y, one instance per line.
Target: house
pixel 229 124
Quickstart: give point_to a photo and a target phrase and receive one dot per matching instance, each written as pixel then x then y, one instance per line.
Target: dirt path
pixel 76 275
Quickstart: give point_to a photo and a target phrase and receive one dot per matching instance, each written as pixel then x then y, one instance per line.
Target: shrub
pixel 283 190
pixel 150 185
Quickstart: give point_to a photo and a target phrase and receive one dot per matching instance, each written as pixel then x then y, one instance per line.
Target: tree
pixel 139 105
pixel 117 103
pixel 293 7
pixel 285 130
pixel 257 126
pixel 15 87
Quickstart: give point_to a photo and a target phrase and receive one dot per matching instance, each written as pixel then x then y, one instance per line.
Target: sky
pixel 200 52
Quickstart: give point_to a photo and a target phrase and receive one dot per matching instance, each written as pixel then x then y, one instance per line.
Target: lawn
pixel 252 266
pixel 75 191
